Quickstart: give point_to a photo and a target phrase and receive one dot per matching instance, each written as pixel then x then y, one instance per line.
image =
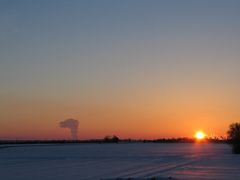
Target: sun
pixel 200 135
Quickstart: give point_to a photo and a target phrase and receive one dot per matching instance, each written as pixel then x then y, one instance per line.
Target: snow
pixel 109 161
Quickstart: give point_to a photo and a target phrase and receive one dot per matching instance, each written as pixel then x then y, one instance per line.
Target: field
pixel 106 161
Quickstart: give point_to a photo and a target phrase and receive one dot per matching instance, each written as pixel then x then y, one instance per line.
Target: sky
pixel 137 69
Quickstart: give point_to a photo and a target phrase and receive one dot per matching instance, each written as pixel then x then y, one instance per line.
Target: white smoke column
pixel 72 124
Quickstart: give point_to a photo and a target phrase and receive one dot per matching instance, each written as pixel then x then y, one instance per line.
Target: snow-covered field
pixel 104 161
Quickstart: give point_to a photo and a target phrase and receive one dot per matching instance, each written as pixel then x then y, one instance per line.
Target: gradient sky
pixel 138 69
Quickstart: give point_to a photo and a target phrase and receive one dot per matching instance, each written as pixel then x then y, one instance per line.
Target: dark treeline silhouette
pixel 111 139
pixel 186 140
pixel 115 139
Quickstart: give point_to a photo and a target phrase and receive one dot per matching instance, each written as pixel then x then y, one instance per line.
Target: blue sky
pixel 113 53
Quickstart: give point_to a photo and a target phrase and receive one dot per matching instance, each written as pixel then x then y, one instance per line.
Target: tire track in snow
pixel 158 169
pixel 149 167
pixel 175 166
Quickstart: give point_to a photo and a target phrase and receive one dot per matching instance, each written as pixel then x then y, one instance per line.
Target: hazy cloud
pixel 72 124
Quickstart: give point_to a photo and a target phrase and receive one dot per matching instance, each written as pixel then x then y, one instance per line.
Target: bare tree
pixel 234 137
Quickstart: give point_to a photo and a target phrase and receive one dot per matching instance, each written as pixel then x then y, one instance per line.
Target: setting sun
pixel 200 135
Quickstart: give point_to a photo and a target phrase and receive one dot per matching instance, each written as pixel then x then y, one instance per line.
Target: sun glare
pixel 200 135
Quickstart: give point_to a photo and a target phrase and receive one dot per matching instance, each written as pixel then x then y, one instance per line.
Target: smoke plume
pixel 71 124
